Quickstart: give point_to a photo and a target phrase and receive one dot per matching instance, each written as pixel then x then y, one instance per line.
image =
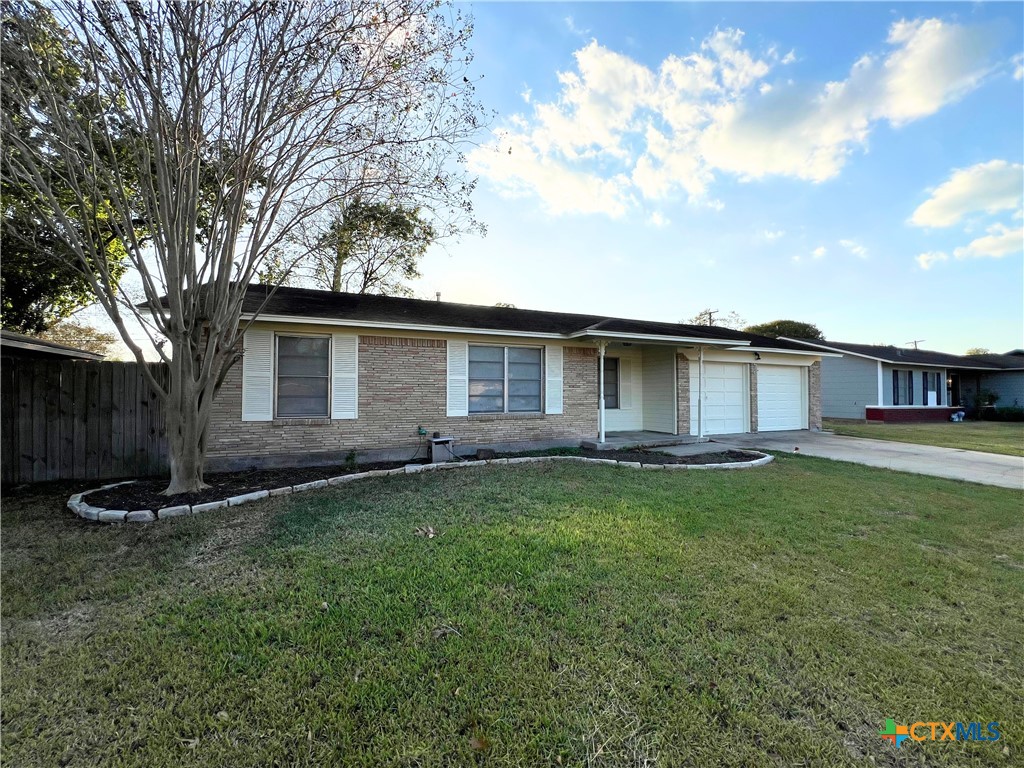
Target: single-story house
pixel 324 374
pixel 20 346
pixel 886 383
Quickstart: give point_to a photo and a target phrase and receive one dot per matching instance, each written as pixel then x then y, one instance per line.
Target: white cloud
pixel 819 252
pixel 925 260
pixel 999 242
pixel 855 248
pixel 986 187
pixel 667 132
pixel 1018 66
pixel 526 94
pixel 773 234
pixel 657 219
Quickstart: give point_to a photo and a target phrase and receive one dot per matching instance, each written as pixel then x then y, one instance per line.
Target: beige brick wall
pixel 682 394
pixel 753 397
pixel 402 386
pixel 814 396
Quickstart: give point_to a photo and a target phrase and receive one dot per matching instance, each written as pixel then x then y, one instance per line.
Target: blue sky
pixel 858 166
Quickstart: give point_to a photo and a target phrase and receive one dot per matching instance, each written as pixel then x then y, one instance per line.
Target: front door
pixel 953 389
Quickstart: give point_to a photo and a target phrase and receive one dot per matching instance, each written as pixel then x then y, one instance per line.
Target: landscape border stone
pixel 86 511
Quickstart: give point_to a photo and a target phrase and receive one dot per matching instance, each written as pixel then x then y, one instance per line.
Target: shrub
pixel 1002 414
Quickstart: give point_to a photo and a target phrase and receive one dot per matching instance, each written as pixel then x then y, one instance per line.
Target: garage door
pixel 780 398
pixel 724 396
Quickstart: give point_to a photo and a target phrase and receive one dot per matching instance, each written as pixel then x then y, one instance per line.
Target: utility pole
pixel 915 342
pixel 711 315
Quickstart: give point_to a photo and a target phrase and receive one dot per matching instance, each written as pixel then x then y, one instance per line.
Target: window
pixel 930 389
pixel 504 379
pixel 611 382
pixel 902 387
pixel 303 376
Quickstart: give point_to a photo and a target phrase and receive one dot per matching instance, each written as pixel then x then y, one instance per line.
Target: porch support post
pixel 880 398
pixel 700 393
pixel 600 390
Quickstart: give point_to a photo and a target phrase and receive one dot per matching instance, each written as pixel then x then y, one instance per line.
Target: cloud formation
pixel 989 187
pixel 981 191
pixel 630 133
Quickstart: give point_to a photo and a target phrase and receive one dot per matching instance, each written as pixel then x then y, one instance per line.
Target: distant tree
pixel 80 336
pixel 793 329
pixel 41 279
pixel 712 317
pixel 370 248
pixel 978 351
pixel 505 304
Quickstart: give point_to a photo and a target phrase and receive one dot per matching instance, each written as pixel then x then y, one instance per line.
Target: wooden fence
pixel 76 420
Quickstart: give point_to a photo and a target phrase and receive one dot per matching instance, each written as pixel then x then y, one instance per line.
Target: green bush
pixel 1002 414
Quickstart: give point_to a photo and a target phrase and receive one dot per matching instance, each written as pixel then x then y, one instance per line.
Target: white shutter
pixel 625 383
pixel 258 376
pixel 344 376
pixel 458 378
pixel 553 378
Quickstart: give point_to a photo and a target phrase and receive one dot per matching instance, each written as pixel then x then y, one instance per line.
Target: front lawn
pixel 563 614
pixel 988 436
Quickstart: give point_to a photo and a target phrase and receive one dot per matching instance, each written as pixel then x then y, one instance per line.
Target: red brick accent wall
pixel 402 386
pixel 904 414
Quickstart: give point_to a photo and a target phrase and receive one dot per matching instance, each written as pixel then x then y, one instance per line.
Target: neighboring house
pixel 884 383
pixel 324 374
pixel 17 345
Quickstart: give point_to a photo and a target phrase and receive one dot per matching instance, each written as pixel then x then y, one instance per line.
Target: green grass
pixel 987 436
pixel 564 615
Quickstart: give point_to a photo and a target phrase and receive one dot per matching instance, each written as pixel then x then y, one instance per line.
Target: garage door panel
pixel 724 398
pixel 780 398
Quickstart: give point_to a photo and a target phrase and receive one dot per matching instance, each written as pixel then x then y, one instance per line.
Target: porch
pixel 619 441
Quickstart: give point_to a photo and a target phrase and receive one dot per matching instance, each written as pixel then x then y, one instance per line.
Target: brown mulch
pixel 146 494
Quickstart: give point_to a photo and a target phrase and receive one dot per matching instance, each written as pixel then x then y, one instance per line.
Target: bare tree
pixel 707 317
pixel 240 122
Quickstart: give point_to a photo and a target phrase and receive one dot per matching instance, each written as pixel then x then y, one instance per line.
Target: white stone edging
pixel 98 514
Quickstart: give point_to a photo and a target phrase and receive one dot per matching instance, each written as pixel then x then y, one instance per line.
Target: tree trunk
pixel 186 435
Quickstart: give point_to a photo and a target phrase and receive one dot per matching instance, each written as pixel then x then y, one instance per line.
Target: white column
pixel 600 390
pixel 881 399
pixel 700 392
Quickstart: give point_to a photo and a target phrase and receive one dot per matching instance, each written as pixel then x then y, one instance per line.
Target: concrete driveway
pixel 972 466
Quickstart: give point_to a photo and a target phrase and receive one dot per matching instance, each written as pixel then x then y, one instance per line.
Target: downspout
pixel 700 393
pixel 600 391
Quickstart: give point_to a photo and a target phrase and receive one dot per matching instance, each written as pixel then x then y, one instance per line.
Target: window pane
pixel 487 354
pixel 611 382
pixel 524 403
pixel 486 387
pixel 303 356
pixel 485 404
pixel 301 396
pixel 486 370
pixel 523 371
pixel 520 355
pixel 524 388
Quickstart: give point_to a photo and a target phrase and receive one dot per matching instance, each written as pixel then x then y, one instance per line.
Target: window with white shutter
pixel 258 375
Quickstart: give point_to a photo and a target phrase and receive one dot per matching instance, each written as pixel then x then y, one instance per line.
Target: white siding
pixel 659 387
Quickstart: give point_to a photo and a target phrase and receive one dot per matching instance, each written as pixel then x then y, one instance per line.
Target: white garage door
pixel 780 398
pixel 724 395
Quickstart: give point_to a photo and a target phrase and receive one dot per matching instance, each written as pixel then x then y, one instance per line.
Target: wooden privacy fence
pixel 77 420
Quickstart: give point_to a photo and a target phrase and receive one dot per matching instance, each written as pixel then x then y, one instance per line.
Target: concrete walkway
pixel 953 463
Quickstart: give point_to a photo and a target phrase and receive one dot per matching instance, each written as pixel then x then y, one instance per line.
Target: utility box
pixel 442 449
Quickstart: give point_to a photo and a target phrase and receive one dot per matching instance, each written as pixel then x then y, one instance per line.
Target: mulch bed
pixel 146 494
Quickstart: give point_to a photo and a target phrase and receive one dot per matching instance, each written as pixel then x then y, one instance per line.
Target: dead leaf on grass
pixel 444 631
pixel 426 531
